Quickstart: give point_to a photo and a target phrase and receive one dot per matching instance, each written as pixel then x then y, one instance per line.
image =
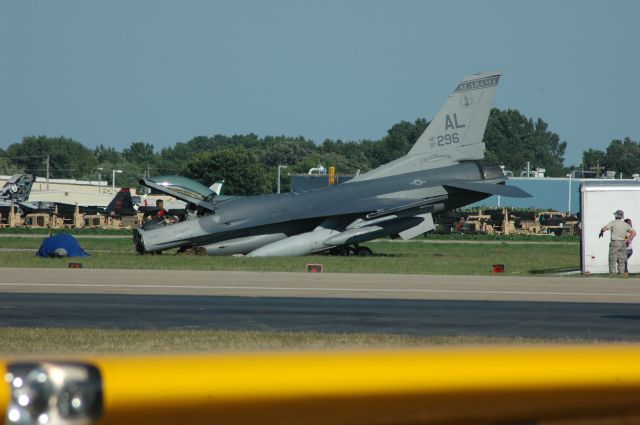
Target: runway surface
pixel 589 308
pixel 415 317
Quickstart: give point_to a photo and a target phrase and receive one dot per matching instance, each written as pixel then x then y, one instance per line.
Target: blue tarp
pixel 63 240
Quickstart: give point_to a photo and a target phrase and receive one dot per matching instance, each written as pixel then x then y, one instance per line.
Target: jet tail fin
pixel 121 204
pixel 455 133
pixel 17 188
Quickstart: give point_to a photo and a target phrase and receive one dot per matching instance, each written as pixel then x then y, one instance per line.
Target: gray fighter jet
pixel 17 188
pixel 14 192
pixel 442 171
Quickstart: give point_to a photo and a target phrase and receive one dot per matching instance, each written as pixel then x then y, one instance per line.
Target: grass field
pixel 414 257
pixel 40 341
pixel 417 257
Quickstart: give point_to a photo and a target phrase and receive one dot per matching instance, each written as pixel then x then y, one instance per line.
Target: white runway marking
pixel 316 289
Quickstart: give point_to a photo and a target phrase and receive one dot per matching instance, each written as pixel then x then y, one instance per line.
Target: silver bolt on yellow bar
pixel 53 393
pixel 478 386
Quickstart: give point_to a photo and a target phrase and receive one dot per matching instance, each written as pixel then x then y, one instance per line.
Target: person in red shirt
pixel 161 213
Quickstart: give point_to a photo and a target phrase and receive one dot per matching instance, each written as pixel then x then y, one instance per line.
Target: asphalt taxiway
pixel 550 307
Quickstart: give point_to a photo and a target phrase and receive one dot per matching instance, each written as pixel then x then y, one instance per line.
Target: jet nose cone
pixel 138 241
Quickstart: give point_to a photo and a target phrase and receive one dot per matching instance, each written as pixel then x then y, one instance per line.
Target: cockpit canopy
pixel 184 186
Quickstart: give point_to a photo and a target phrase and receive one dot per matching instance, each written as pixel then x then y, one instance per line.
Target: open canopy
pixel 183 185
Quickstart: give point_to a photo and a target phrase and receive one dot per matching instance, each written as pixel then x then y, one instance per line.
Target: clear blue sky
pixel 161 72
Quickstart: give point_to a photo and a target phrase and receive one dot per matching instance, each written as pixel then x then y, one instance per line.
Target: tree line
pixel 248 163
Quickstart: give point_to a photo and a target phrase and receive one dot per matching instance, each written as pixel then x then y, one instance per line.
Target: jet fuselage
pixel 283 215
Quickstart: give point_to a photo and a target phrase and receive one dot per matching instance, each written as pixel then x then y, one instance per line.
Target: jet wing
pixel 368 208
pixel 490 188
pixel 402 207
pixel 179 192
pixel 37 207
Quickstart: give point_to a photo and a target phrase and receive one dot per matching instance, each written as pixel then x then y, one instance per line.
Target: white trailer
pixel 598 201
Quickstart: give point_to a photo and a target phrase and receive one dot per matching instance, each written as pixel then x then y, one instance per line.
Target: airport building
pixel 548 193
pixel 70 191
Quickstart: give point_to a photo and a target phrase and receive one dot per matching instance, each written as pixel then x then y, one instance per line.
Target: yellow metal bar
pixel 470 386
pixel 4 392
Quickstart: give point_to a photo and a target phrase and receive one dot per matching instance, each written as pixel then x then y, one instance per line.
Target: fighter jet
pixel 14 192
pixel 17 188
pixel 442 171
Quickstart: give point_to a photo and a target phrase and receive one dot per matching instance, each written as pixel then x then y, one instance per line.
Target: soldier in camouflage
pixel 620 233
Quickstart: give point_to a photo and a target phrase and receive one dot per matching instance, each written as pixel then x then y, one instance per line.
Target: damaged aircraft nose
pixel 138 241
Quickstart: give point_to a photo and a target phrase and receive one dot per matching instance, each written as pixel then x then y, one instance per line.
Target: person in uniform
pixel 620 233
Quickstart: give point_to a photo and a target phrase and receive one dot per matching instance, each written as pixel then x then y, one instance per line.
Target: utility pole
pixel 569 208
pixel 113 180
pixel 47 172
pixel 597 169
pixel 99 177
pixel 279 168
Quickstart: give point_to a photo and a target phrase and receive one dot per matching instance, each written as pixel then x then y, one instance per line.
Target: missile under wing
pixel 442 171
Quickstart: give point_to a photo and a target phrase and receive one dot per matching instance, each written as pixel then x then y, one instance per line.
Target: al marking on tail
pixel 455 133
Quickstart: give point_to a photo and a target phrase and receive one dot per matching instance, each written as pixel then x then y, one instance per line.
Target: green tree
pixel 67 158
pixel 285 151
pixel 512 140
pixel 354 153
pixel 104 154
pixel 7 166
pixel 402 136
pixel 398 141
pixel 592 158
pixel 239 167
pixel 140 153
pixel 182 152
pixel 623 157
